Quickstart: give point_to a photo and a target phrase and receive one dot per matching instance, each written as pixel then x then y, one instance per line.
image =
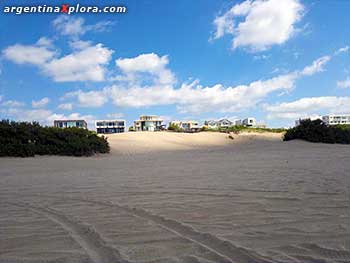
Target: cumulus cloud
pixel 37 54
pixel 115 115
pixel 92 99
pixel 86 64
pixel 342 50
pixel 317 66
pixel 151 64
pixel 76 26
pixel 307 107
pixel 40 103
pixel 190 97
pixel 194 98
pixel 12 103
pixel 65 106
pixel 344 84
pixel 259 24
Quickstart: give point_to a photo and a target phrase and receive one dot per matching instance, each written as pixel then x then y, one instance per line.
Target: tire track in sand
pixel 223 249
pixel 88 238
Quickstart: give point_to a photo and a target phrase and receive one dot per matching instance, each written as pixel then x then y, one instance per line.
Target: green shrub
pixel 175 128
pixel 131 129
pixel 25 139
pixel 317 131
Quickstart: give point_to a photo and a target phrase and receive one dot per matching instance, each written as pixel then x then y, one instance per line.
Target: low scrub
pixel 317 131
pixel 175 128
pixel 240 128
pixel 24 139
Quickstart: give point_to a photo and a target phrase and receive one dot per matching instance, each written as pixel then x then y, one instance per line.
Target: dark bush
pixel 28 139
pixel 317 131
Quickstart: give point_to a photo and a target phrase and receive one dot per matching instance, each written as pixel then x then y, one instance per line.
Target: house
pixel 70 124
pixel 148 123
pixel 211 124
pixel 249 122
pixel 238 122
pixel 187 126
pixel 223 123
pixel 336 119
pixel 110 126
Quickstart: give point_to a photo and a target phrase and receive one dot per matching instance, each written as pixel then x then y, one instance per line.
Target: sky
pixel 275 60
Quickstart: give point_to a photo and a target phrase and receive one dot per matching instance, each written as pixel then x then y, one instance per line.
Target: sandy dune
pixel 143 142
pixel 163 197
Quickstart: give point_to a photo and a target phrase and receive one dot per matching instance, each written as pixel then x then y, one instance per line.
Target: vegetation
pixel 318 131
pixel 131 129
pixel 25 139
pixel 175 128
pixel 241 128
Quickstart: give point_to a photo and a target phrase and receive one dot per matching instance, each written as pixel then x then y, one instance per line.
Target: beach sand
pixel 174 197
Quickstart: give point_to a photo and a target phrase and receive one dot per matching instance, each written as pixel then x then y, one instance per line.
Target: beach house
pixel 339 119
pixel 149 123
pixel 187 126
pixel 249 122
pixel 110 126
pixel 70 124
pixel 223 123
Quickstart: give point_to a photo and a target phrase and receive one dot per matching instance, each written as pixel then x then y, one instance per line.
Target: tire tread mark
pixel 88 238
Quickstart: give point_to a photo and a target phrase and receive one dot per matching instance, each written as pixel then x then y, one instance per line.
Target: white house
pixel 249 122
pixel 110 126
pixel 148 123
pixel 188 126
pixel 223 123
pixel 333 119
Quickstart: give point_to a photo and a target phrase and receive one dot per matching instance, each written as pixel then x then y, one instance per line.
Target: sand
pixel 171 197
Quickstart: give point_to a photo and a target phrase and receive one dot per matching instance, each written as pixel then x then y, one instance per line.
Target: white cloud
pixel 79 44
pixel 189 97
pixel 308 106
pixel 37 54
pixel 265 23
pixel 342 50
pixel 86 64
pixel 75 26
pixel 65 106
pixel 317 66
pixel 344 84
pixel 40 103
pixel 12 103
pixel 146 63
pixel 92 99
pixel 115 115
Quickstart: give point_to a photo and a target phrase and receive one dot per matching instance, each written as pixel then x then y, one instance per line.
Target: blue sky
pixel 276 60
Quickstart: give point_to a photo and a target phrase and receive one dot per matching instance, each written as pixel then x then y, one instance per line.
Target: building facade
pixel 187 126
pixel 110 126
pixel 149 123
pixel 249 122
pixel 336 119
pixel 211 124
pixel 70 124
pixel 223 123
